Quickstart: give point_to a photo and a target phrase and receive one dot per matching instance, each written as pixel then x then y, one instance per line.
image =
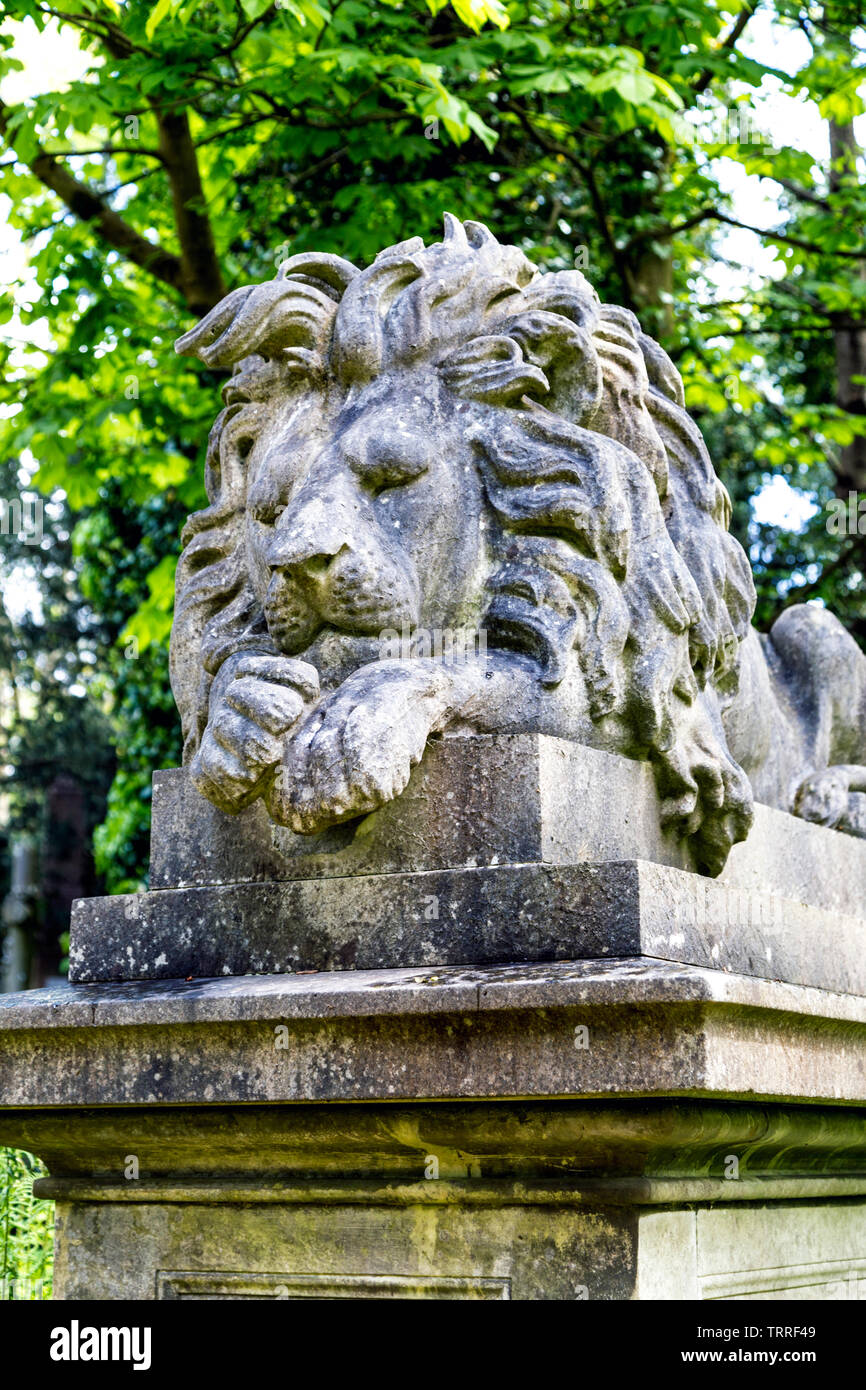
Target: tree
pixel 801 342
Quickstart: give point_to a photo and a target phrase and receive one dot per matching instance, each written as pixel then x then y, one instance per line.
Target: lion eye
pixel 268 512
pixel 389 483
pixel 382 462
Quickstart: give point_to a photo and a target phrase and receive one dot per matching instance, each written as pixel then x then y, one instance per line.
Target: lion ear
pixel 492 369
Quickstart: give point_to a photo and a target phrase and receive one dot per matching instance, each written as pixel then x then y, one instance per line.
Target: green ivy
pixel 26 1230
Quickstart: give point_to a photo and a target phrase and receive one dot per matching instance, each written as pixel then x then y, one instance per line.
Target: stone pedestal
pixel 616 1130
pixel 596 1076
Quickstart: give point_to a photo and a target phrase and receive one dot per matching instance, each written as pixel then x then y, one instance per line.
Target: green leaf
pixel 156 16
pixel 842 106
pixel 475 13
pixel 635 87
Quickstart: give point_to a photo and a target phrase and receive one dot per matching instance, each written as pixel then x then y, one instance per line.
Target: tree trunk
pixel 652 268
pixel 653 288
pixel 201 277
pixel 849 339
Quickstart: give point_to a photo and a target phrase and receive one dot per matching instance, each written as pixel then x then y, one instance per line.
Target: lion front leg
pixel 356 751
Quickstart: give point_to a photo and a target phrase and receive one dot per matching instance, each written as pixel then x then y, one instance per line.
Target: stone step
pixel 627 1028
pixel 481 916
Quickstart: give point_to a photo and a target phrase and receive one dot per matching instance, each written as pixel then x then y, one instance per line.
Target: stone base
pixel 452 1241
pixel 483 800
pixel 439 1239
pixel 598 1130
pixel 664 1101
pixel 501 849
pixel 530 912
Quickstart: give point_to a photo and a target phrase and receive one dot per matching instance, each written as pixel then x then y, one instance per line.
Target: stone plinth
pixel 487 1032
pixel 478 801
pixel 501 849
pixel 613 1130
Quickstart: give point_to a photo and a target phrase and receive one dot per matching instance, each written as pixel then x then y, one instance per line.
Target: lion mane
pixel 610 543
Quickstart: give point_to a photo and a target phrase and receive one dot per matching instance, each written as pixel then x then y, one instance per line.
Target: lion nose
pixel 316 527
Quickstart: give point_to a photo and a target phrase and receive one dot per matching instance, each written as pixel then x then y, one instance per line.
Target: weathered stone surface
pixel 778 1252
pixel 509 799
pixel 554 1200
pixel 800 860
pixel 653 1028
pixel 485 800
pixel 290 1252
pixel 453 1251
pixel 806 1252
pixel 478 916
pixel 640 1151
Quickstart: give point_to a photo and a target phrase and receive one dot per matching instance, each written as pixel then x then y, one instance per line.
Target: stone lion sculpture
pixel 451 442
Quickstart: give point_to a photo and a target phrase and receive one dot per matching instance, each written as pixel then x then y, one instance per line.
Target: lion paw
pixel 358 749
pixel 255 701
pixel 706 798
pixel 823 797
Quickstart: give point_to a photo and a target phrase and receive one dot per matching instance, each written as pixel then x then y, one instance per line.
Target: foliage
pixel 26 1229
pixel 48 723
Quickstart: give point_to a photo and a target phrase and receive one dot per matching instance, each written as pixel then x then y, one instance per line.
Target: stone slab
pixel 474 800
pixel 371 1252
pixel 519 1251
pixel 779 1251
pixel 480 801
pixel 651 1028
pixel 482 916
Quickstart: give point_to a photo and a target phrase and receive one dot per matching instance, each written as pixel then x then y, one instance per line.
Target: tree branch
pixel 135 179
pixel 802 193
pixel 620 263
pixel 801 592
pixel 91 207
pixel 790 240
pixel 241 33
pixel 104 149
pixel 253 119
pixel 713 215
pixel 116 42
pixel 201 276
pixel 727 44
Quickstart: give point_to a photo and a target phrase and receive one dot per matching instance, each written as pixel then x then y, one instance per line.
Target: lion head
pixel 451 439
